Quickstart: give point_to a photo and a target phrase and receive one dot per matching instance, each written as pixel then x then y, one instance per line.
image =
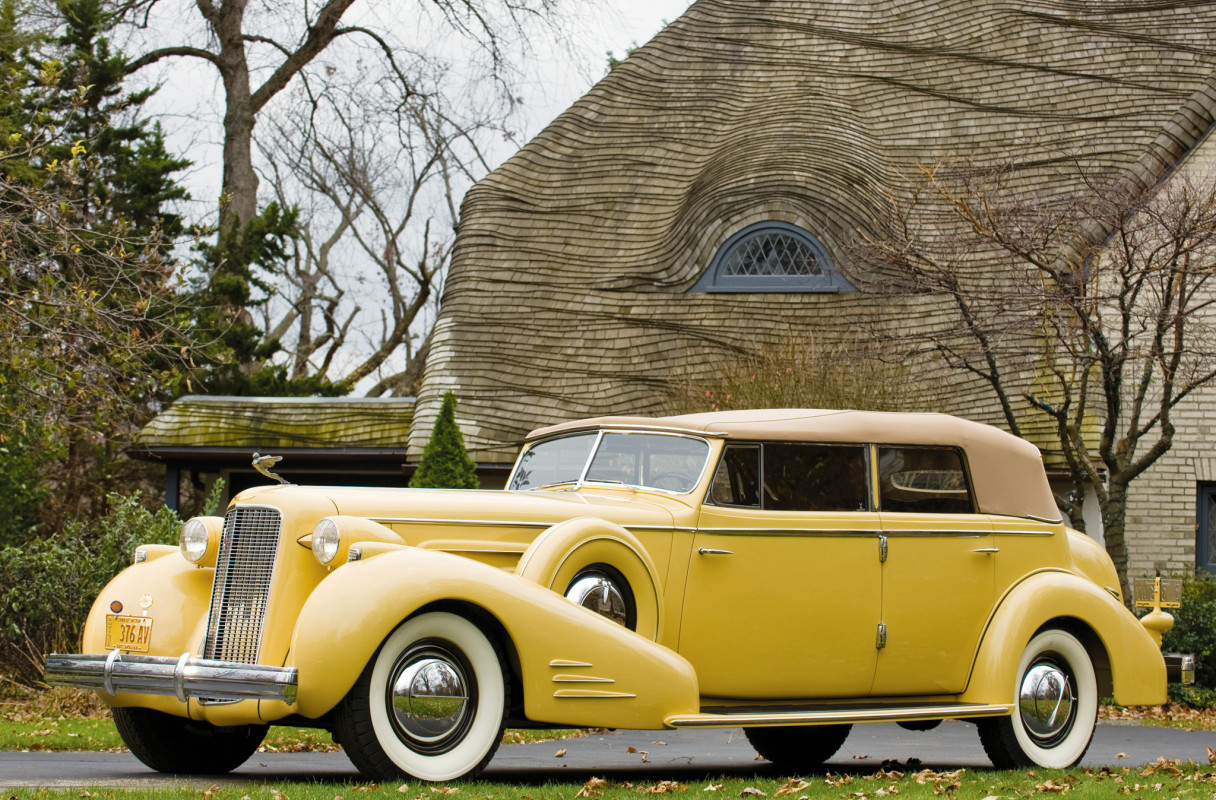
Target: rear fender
pixel 576 667
pixel 1137 670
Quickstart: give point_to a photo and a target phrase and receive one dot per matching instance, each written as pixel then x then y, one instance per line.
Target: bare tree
pixel 259 52
pixel 310 60
pixel 1091 309
pixel 377 180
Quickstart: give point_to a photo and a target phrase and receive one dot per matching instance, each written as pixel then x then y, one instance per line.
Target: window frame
pixel 712 281
pixel 1205 559
pixel 876 478
pixel 867 455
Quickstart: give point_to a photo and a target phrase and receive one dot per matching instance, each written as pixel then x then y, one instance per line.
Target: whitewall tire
pixel 429 706
pixel 1055 707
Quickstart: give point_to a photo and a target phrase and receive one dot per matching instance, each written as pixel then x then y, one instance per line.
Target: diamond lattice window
pixel 772 257
pixel 772 254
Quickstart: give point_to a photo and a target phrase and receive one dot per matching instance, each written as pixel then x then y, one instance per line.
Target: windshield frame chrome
pixel 582 480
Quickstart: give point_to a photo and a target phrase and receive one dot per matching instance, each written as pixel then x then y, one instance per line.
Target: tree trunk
pixel 239 202
pixel 1114 521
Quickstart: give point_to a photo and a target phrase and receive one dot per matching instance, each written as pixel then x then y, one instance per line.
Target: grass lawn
pixel 66 720
pixel 1164 780
pixel 98 734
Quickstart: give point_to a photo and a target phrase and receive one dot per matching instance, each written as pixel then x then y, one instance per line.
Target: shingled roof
pixel 567 295
pixel 198 424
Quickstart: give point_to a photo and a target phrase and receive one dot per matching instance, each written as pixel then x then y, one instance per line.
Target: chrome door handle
pixel 711 551
pixel 987 550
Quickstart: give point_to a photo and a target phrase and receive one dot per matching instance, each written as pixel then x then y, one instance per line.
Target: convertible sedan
pixel 790 572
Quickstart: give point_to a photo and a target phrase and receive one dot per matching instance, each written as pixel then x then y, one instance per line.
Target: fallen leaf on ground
pixel 662 787
pixel 560 753
pixel 593 788
pixel 1120 755
pixel 752 791
pixel 1052 786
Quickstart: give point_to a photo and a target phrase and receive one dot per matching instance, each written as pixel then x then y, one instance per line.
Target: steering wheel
pixel 679 481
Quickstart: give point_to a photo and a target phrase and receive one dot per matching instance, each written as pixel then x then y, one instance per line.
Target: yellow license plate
pixel 128 633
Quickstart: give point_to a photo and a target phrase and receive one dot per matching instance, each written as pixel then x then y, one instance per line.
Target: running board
pixel 835 715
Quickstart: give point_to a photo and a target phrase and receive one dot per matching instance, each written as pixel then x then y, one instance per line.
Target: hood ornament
pixel 263 464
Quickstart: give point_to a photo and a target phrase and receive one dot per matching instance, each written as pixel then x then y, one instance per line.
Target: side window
pixel 815 477
pixel 924 479
pixel 737 481
pixel 794 477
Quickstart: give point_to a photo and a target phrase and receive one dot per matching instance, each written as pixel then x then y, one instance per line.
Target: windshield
pixel 656 460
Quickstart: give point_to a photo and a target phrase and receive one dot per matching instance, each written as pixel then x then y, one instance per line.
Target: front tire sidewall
pixel 1068 751
pixel 485 730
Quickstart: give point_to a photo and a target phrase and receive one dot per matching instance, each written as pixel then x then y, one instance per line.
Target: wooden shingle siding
pixel 199 421
pixel 567 295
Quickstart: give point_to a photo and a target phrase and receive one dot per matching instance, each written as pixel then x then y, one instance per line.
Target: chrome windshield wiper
pixel 552 484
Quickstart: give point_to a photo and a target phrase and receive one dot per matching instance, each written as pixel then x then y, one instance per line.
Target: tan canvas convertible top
pixel 1007 472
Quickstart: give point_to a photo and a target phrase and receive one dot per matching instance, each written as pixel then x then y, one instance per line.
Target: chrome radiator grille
pixel 243 570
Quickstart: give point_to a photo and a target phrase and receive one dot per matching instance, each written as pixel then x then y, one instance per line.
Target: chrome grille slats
pixel 243 569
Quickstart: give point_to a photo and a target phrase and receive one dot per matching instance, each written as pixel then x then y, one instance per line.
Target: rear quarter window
pixel 931 480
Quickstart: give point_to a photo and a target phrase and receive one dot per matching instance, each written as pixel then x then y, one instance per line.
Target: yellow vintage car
pixel 790 572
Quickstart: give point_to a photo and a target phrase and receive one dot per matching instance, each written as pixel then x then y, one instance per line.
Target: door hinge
pixel 882 549
pixel 881 640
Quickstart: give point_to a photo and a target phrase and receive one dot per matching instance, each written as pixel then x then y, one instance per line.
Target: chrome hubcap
pixel 600 594
pixel 1046 701
pixel 429 694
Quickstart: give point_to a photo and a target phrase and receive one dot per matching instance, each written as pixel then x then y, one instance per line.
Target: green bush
pixel 1195 627
pixel 445 463
pixel 48 585
pixel 1195 697
pixel 24 453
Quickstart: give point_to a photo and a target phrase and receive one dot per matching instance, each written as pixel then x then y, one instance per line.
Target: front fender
pixel 577 668
pixel 175 594
pixel 1136 666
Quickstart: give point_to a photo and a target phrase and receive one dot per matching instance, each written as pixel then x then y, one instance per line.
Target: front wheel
pixel 430 705
pixel 798 749
pixel 1056 707
pixel 183 746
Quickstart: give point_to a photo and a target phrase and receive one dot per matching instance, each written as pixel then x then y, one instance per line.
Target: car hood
pixel 478 507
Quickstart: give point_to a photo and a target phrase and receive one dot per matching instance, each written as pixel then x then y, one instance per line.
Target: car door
pixel 783 593
pixel 938 573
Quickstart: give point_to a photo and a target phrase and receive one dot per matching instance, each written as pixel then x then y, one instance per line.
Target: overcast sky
pixel 550 78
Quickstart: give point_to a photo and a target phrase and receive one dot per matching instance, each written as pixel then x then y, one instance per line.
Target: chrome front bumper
pixel 182 677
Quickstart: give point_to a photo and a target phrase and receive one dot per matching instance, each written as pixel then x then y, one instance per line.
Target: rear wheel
pixel 800 748
pixel 183 746
pixel 430 705
pixel 1056 707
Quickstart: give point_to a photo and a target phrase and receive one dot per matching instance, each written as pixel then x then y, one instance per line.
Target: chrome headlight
pixel 200 539
pixel 326 541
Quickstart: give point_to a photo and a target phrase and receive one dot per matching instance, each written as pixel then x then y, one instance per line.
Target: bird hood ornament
pixel 263 464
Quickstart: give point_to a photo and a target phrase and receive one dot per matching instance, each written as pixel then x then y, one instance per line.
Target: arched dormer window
pixel 772 257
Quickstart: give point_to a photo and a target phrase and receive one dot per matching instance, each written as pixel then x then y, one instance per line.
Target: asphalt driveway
pixel 621 755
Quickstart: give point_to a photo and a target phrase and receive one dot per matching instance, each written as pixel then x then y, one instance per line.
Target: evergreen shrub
pixel 445 462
